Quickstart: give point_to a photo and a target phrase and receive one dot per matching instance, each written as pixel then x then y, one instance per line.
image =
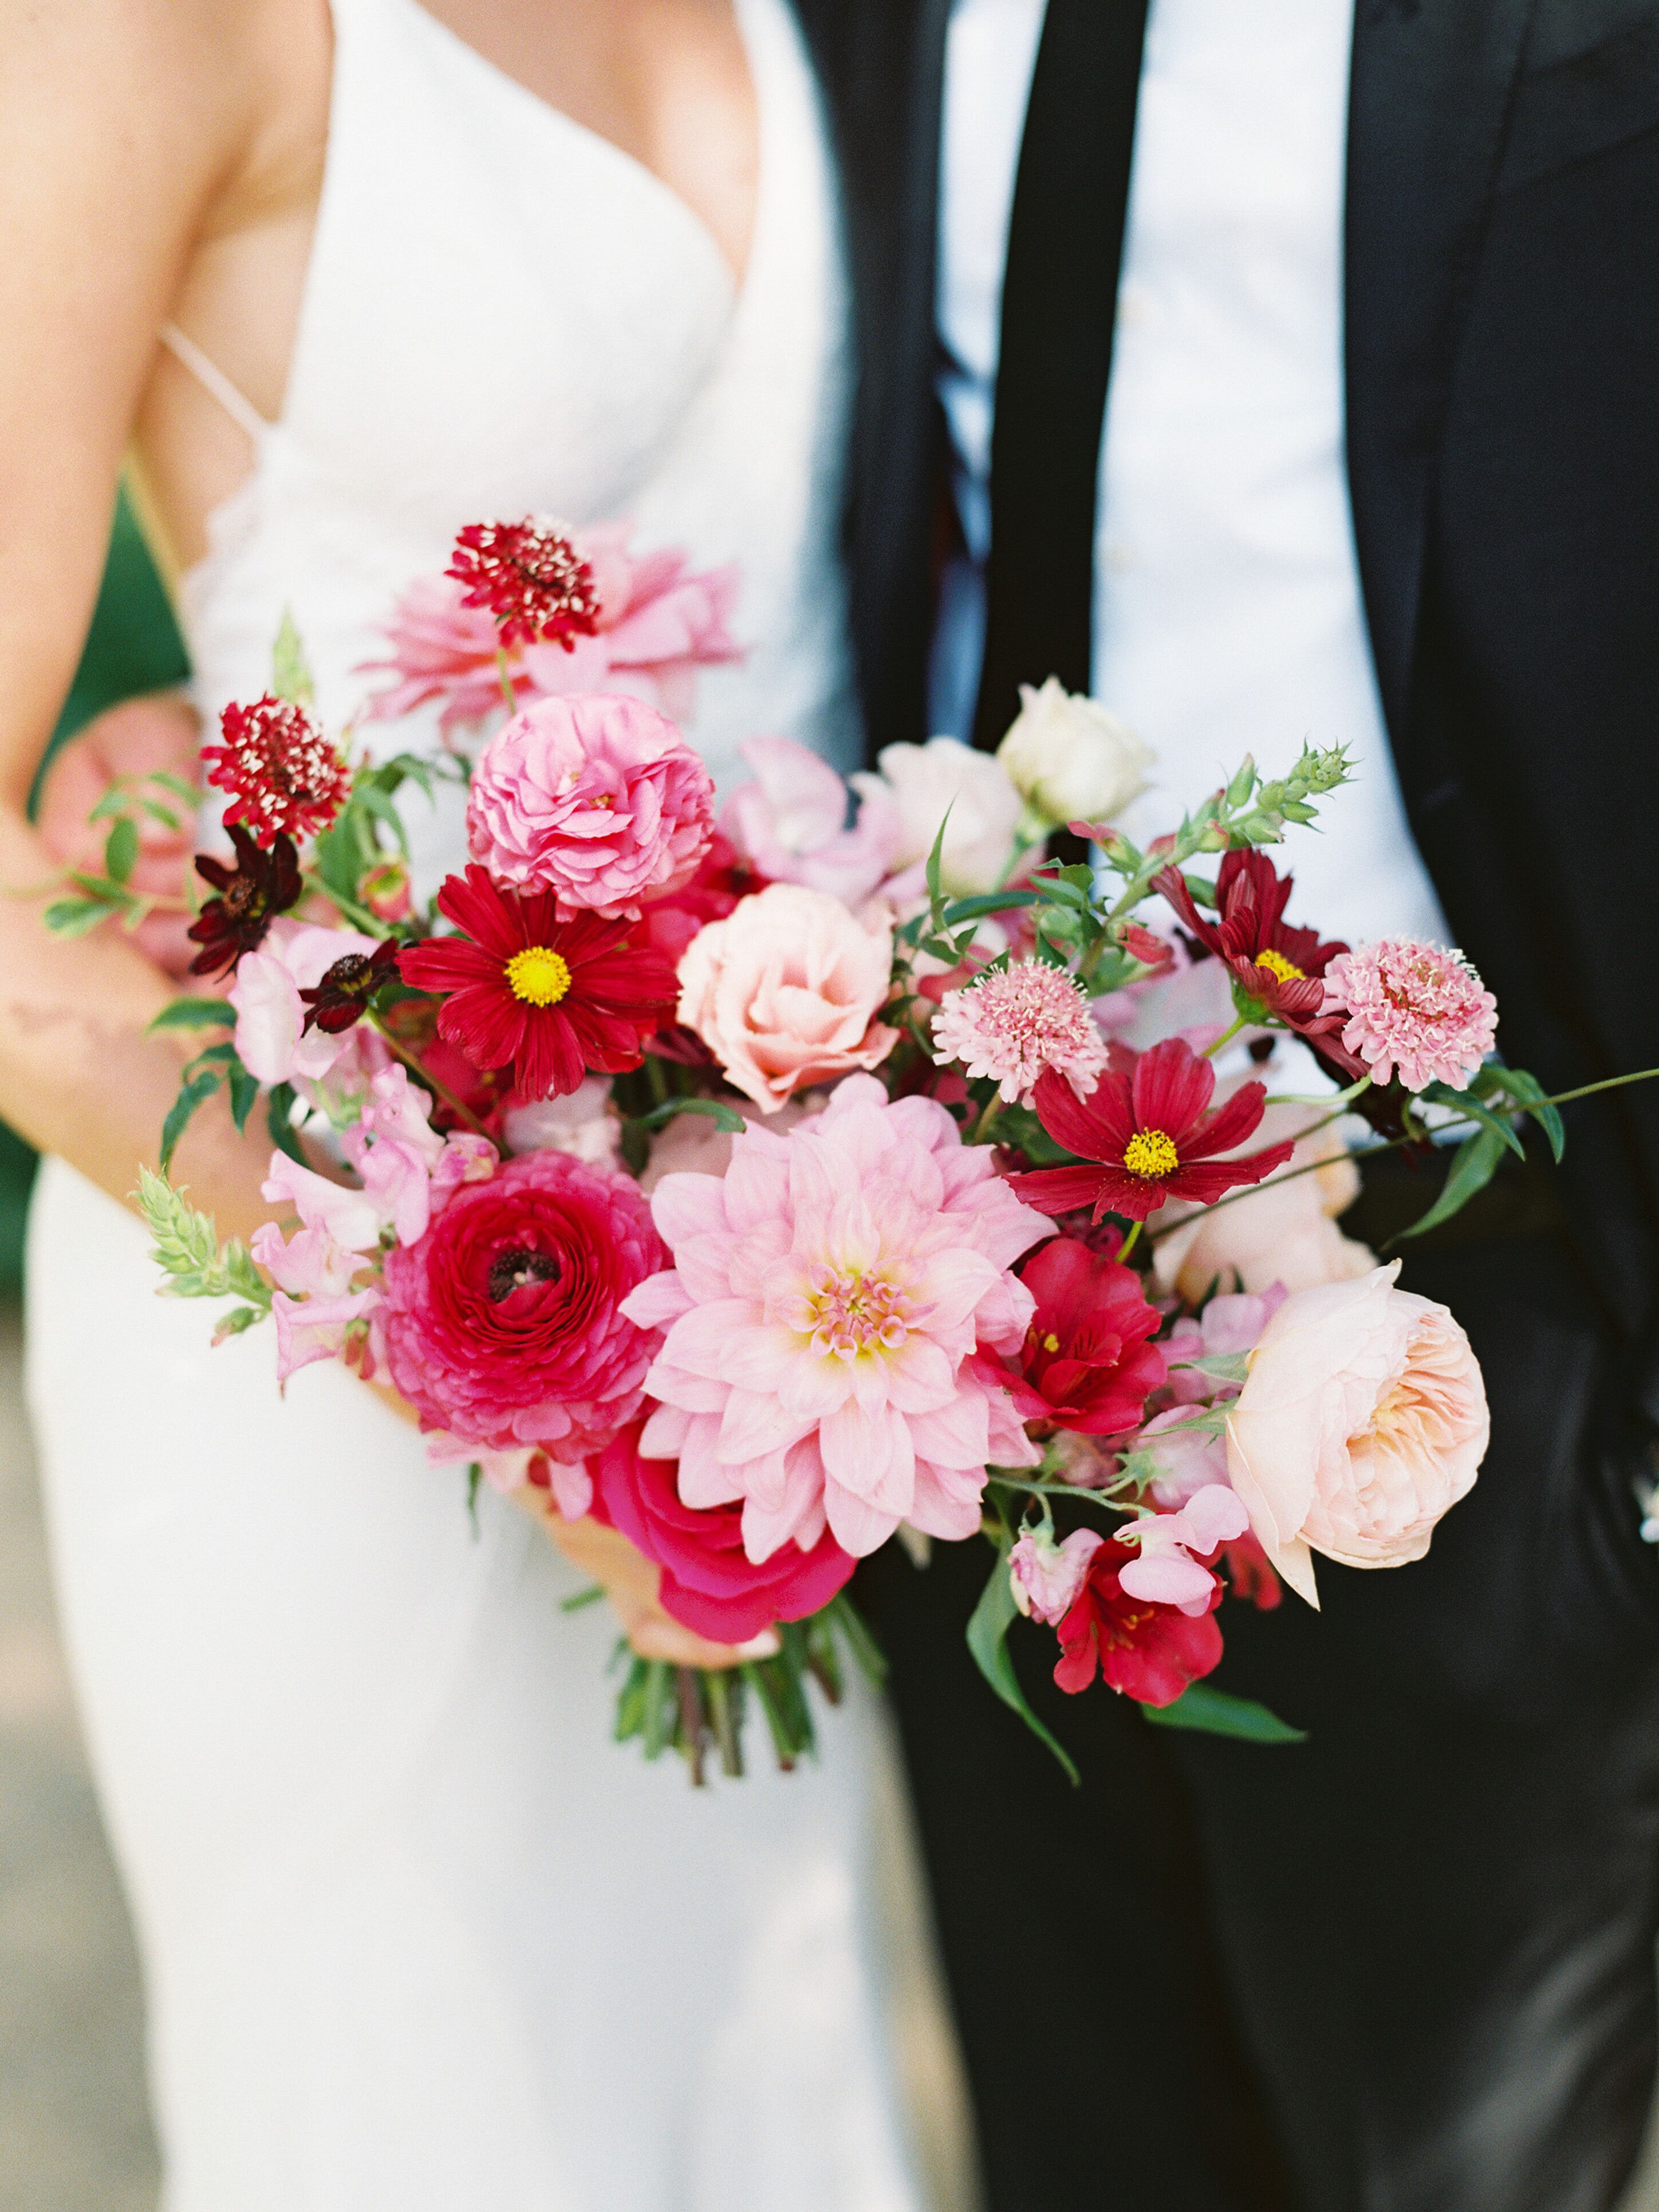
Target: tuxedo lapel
pixel 1430 89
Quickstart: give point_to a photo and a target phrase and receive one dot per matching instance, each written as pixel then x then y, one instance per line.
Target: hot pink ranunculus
pixel 786 990
pixel 597 800
pixel 829 1294
pixel 504 1323
pixel 1362 1421
pixel 709 1583
pixel 792 823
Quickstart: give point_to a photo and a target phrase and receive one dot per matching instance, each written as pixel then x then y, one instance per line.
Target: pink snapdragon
pixel 1013 1023
pixel 1046 1577
pixel 1412 1007
pixel 828 1294
pixel 791 821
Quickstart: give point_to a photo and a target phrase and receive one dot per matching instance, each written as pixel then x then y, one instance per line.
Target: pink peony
pixel 1048 1578
pixel 786 990
pixel 1414 1007
pixel 598 800
pixel 792 823
pixel 1169 1549
pixel 829 1294
pixel 658 625
pixel 709 1583
pixel 1013 1023
pixel 271 1040
pixel 504 1323
pixel 1362 1421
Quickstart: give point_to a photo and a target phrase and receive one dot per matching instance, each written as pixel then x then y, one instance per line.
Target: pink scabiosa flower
pixel 598 800
pixel 504 1322
pixel 285 776
pixel 1013 1023
pixel 1412 1007
pixel 829 1293
pixel 531 576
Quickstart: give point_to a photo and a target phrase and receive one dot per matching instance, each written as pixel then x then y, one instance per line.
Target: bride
pixel 414 1932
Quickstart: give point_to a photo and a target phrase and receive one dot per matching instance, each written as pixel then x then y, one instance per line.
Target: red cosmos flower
pixel 1275 964
pixel 553 998
pixel 1151 1136
pixel 285 775
pixel 531 577
pixel 1086 1364
pixel 251 895
pixel 1150 1652
pixel 709 1583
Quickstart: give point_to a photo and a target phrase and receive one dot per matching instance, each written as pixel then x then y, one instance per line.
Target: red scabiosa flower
pixel 285 776
pixel 251 895
pixel 1087 1362
pixel 551 998
pixel 342 996
pixel 1151 1137
pixel 1278 965
pixel 1150 1652
pixel 532 579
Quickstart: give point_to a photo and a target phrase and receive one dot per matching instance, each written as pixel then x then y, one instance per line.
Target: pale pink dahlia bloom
pixel 597 800
pixel 1414 1007
pixel 829 1294
pixel 1013 1023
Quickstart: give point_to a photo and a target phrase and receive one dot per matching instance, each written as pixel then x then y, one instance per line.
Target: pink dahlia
pixel 831 1291
pixel 1413 1007
pixel 597 800
pixel 503 1322
pixel 1012 1022
pixel 285 777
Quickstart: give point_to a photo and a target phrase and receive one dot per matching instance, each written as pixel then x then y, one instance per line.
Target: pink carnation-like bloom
pixel 1414 1007
pixel 598 800
pixel 658 625
pixel 1013 1023
pixel 504 1323
pixel 792 823
pixel 828 1294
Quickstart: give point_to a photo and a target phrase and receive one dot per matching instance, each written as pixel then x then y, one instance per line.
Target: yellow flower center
pixel 1277 964
pixel 538 976
pixel 1150 1152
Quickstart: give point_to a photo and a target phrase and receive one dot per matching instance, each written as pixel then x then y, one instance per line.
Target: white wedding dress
pixel 417 1936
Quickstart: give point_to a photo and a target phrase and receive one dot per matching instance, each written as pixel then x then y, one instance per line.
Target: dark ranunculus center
pixel 514 1270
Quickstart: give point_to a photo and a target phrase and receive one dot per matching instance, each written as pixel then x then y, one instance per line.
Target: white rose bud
pixel 1070 760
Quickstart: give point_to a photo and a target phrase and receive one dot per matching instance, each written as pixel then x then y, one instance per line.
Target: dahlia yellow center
pixel 1151 1153
pixel 1277 964
pixel 538 976
pixel 854 1312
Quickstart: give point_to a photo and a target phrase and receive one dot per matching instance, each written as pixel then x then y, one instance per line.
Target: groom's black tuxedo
pixel 1427 1935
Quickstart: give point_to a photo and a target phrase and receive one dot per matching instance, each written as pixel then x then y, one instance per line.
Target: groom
pixel 1380 433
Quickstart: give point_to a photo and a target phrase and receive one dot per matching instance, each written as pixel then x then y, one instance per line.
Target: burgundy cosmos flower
pixel 553 998
pixel 709 1584
pixel 1150 1136
pixel 1086 1364
pixel 342 996
pixel 1150 1652
pixel 285 776
pixel 1276 964
pixel 532 578
pixel 252 894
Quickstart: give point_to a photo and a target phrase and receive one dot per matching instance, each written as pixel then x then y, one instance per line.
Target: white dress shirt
pixel 1227 607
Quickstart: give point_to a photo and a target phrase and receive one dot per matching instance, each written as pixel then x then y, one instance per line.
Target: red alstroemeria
pixel 1273 963
pixel 1087 1363
pixel 532 578
pixel 285 777
pixel 1249 1572
pixel 552 998
pixel 1151 1137
pixel 1150 1652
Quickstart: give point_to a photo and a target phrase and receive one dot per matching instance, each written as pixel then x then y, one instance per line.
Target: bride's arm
pixel 126 131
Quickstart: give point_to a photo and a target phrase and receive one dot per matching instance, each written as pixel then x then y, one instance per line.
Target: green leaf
pixel 984 902
pixel 935 865
pixel 102 887
pixel 987 1639
pixel 236 1322
pixel 195 1014
pixel 193 1092
pixel 1213 1712
pixel 1465 1102
pixel 1529 1094
pixel 74 917
pixel 244 1094
pixel 121 849
pixel 1473 1165
pixel 1225 1366
pixel 290 675
pixel 726 1117
pixel 279 1119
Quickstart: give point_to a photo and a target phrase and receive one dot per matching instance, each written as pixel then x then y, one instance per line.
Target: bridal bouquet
pixel 837 1170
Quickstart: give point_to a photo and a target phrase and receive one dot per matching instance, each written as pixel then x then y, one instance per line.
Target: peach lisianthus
pixel 785 992
pixel 1362 1421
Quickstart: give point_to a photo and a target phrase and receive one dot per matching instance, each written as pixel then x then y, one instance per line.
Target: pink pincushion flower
pixel 792 823
pixel 598 800
pixel 1046 1577
pixel 829 1294
pixel 658 625
pixel 504 1323
pixel 1413 1007
pixel 1015 1022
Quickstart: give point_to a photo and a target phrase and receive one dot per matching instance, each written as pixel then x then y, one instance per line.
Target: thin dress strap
pixel 213 380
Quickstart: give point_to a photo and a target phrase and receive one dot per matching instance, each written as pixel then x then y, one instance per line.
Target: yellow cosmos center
pixel 1151 1153
pixel 1277 964
pixel 538 976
